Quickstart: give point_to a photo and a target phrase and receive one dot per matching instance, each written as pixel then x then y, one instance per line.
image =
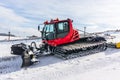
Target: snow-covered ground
pixel 11 38
pixel 100 66
pixel 113 37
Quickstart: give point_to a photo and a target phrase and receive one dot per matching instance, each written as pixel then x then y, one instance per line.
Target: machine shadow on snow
pixel 47 60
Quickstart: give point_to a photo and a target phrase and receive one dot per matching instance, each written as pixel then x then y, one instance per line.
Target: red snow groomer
pixel 61 39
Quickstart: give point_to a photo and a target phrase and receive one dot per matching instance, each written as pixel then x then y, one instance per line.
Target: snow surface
pixel 94 67
pixel 11 38
pixel 115 37
pixel 100 66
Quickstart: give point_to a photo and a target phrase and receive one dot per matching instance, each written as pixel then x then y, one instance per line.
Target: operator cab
pixel 55 29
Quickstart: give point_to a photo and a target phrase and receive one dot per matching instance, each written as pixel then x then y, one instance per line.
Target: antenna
pixel 9 35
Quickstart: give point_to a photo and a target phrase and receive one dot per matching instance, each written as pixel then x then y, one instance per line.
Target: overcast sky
pixel 23 16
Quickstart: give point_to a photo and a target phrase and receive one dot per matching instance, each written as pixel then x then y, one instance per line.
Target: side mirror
pixel 38 28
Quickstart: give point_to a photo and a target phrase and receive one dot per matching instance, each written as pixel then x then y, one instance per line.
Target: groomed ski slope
pixel 100 66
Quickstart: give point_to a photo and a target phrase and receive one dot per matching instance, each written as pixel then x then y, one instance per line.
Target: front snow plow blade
pixel 24 51
pixel 18 49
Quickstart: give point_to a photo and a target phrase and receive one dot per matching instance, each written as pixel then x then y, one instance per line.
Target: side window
pixel 62 27
pixel 51 28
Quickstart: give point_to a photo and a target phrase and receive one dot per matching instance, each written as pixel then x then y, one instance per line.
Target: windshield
pixel 49 28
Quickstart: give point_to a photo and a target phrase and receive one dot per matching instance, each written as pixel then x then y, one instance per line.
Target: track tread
pixel 79 49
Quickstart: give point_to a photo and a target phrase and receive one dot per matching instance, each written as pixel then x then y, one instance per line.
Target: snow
pixel 107 73
pixel 95 67
pixel 11 38
pixel 114 37
pixel 100 66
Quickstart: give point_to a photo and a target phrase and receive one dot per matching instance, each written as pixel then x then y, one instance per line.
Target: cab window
pixel 62 29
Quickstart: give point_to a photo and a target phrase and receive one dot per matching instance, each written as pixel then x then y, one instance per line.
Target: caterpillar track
pixel 80 48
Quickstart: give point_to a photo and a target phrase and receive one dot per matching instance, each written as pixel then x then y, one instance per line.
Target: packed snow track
pixel 10 64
